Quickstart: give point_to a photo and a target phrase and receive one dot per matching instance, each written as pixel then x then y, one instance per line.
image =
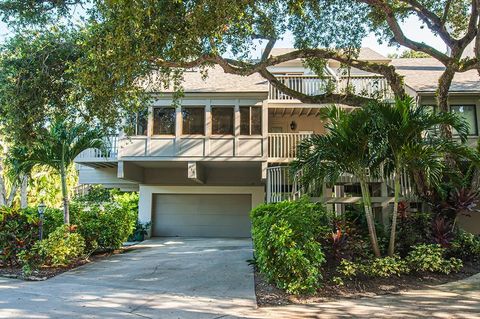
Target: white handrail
pixel 364 85
pixel 109 152
pixel 284 145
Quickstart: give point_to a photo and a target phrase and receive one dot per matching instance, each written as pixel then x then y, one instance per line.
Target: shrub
pixel 106 225
pixel 465 246
pixel 286 249
pixel 413 228
pixel 378 267
pixel 348 269
pixel 425 257
pixel 52 218
pixel 18 232
pixel 386 267
pixel 97 194
pixel 61 248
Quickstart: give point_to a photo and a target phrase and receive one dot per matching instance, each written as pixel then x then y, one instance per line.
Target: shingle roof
pixel 365 54
pixel 422 75
pixel 219 81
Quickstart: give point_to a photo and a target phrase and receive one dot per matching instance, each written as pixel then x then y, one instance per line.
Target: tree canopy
pixel 126 42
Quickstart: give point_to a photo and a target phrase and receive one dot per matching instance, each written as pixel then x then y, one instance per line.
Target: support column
pixel 339 191
pixel 385 205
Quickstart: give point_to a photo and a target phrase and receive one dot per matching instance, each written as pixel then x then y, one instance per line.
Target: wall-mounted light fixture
pixel 293 126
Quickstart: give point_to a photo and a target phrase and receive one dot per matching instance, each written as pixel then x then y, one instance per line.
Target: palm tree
pixel 347 148
pixel 412 141
pixel 61 143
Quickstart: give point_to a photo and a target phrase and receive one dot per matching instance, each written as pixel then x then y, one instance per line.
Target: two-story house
pixel 201 166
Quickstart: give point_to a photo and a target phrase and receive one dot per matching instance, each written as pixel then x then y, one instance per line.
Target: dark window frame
pixel 174 121
pixel 250 107
pixel 230 107
pixel 475 129
pixel 183 119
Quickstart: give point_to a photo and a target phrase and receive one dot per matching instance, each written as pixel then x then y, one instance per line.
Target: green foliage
pixel 465 246
pixel 413 228
pixel 409 54
pixel 286 250
pixel 52 218
pixel 106 225
pixel 386 267
pixel 61 248
pixel 426 257
pixel 378 267
pixel 44 186
pixel 18 232
pixel 348 269
pixel 97 194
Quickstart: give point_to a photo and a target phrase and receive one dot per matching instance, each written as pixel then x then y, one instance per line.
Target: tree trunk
pixel 367 202
pixel 24 192
pixel 3 190
pixel 393 228
pixel 63 177
pixel 442 98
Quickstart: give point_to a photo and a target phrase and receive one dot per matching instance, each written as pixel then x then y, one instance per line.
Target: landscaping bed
pixel 99 227
pixel 269 295
pixel 46 272
pixel 304 253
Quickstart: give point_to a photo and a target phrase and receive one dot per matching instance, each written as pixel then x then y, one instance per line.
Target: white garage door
pixel 201 215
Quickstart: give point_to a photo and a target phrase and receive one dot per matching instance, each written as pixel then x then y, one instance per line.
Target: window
pixel 222 120
pixel 164 121
pixel 250 120
pixel 142 123
pixel 469 113
pixel 137 123
pixel 193 120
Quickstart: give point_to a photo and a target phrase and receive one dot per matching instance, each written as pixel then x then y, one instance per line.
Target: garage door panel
pixel 204 219
pixel 201 215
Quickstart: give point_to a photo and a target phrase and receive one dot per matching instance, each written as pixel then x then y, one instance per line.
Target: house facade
pixel 202 164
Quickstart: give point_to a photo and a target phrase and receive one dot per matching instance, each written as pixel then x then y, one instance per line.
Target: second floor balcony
pixel 281 148
pixel 364 85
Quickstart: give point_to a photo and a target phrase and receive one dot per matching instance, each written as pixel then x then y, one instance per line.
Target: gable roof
pixel 422 76
pixel 219 82
pixel 365 54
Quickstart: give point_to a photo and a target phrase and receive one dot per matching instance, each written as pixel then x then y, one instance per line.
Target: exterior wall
pixel 194 147
pixel 470 224
pixel 458 99
pixel 104 176
pixel 147 191
pixel 304 123
pixel 238 176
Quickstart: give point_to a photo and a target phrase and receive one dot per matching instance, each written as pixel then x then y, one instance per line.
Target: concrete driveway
pixel 162 278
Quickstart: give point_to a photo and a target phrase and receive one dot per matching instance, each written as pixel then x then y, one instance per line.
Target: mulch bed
pixel 48 272
pixel 269 295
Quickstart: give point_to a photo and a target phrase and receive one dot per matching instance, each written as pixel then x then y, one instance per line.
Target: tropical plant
pixel 58 146
pixel 412 140
pixel 286 248
pixel 347 148
pixel 425 257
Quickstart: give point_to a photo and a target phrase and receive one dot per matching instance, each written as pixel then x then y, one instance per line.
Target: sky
pixel 412 28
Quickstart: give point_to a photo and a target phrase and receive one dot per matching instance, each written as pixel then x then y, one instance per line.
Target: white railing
pixel 283 184
pixel 283 146
pixel 109 152
pixel 310 85
pixel 365 85
pixel 280 184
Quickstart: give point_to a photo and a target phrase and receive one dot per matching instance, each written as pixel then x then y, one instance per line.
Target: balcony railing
pixel 283 184
pixel 110 152
pixel 282 147
pixel 365 85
